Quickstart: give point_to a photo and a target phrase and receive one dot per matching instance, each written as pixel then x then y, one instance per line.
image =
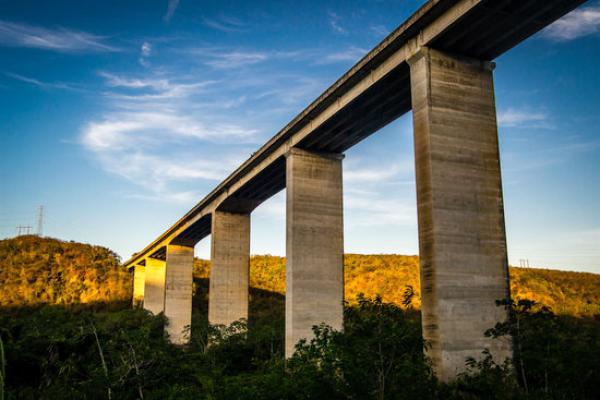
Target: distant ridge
pixel 36 271
pixel 388 275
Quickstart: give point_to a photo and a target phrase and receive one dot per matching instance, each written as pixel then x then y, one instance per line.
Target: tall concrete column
pixel 154 288
pixel 314 244
pixel 462 240
pixel 178 293
pixel 139 281
pixel 230 268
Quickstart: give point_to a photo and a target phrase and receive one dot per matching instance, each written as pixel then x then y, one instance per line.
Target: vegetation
pixel 566 293
pixel 103 350
pixel 38 271
pixel 58 353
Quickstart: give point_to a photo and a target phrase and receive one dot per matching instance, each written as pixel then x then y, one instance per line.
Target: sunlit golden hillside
pixel 574 293
pixel 37 271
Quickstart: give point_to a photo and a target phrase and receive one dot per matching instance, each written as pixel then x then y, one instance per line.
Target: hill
pixel 36 271
pixel 566 293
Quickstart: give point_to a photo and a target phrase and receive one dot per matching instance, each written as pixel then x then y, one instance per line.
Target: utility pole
pixel 40 221
pixel 23 230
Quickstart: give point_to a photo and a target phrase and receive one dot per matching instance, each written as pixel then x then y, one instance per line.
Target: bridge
pixel 437 64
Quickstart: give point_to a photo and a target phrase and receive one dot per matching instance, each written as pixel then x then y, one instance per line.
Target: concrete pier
pixel 139 281
pixel 462 242
pixel 154 289
pixel 230 265
pixel 178 293
pixel 314 244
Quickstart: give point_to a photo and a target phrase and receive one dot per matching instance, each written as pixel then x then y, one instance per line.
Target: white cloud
pixel 159 123
pixel 225 24
pixel 145 51
pixel 153 125
pixel 379 30
pixel 237 59
pixel 233 59
pixel 171 7
pixel 580 22
pixel 120 131
pixel 379 209
pixel 334 22
pixel 376 174
pixel 42 84
pixel 512 117
pixel 61 40
pixel 158 89
pixel 152 150
pixel 351 54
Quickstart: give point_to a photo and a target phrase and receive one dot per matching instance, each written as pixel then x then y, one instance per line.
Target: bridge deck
pixel 373 93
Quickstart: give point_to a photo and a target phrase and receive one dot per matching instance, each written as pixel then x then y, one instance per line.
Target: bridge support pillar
pixel 154 287
pixel 178 293
pixel 139 281
pixel 462 239
pixel 314 244
pixel 230 268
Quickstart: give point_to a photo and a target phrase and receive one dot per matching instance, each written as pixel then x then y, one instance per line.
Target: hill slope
pixel 35 271
pixel 572 293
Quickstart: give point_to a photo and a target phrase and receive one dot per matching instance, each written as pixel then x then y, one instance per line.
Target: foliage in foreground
pixel 53 353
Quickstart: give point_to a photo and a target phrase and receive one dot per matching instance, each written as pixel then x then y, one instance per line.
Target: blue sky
pixel 119 116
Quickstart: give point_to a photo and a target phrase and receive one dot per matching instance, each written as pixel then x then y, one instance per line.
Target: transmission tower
pixel 40 221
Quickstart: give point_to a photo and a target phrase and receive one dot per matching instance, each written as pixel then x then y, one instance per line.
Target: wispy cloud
pixel 145 51
pixel 160 122
pixel 152 89
pixel 379 30
pixel 134 129
pixel 351 54
pixel 42 84
pixel 335 23
pixel 580 22
pixel 150 148
pixel 372 194
pixel 359 175
pixel 154 122
pixel 235 59
pixel 512 118
pixel 171 7
pixel 227 24
pixel 61 39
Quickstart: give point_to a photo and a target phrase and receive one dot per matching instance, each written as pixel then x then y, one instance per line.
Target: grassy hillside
pixel 36 271
pixel 566 293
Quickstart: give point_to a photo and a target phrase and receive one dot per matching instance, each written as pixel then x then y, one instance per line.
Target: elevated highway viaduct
pixel 438 64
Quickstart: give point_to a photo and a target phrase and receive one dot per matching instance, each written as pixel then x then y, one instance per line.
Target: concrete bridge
pixel 437 63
